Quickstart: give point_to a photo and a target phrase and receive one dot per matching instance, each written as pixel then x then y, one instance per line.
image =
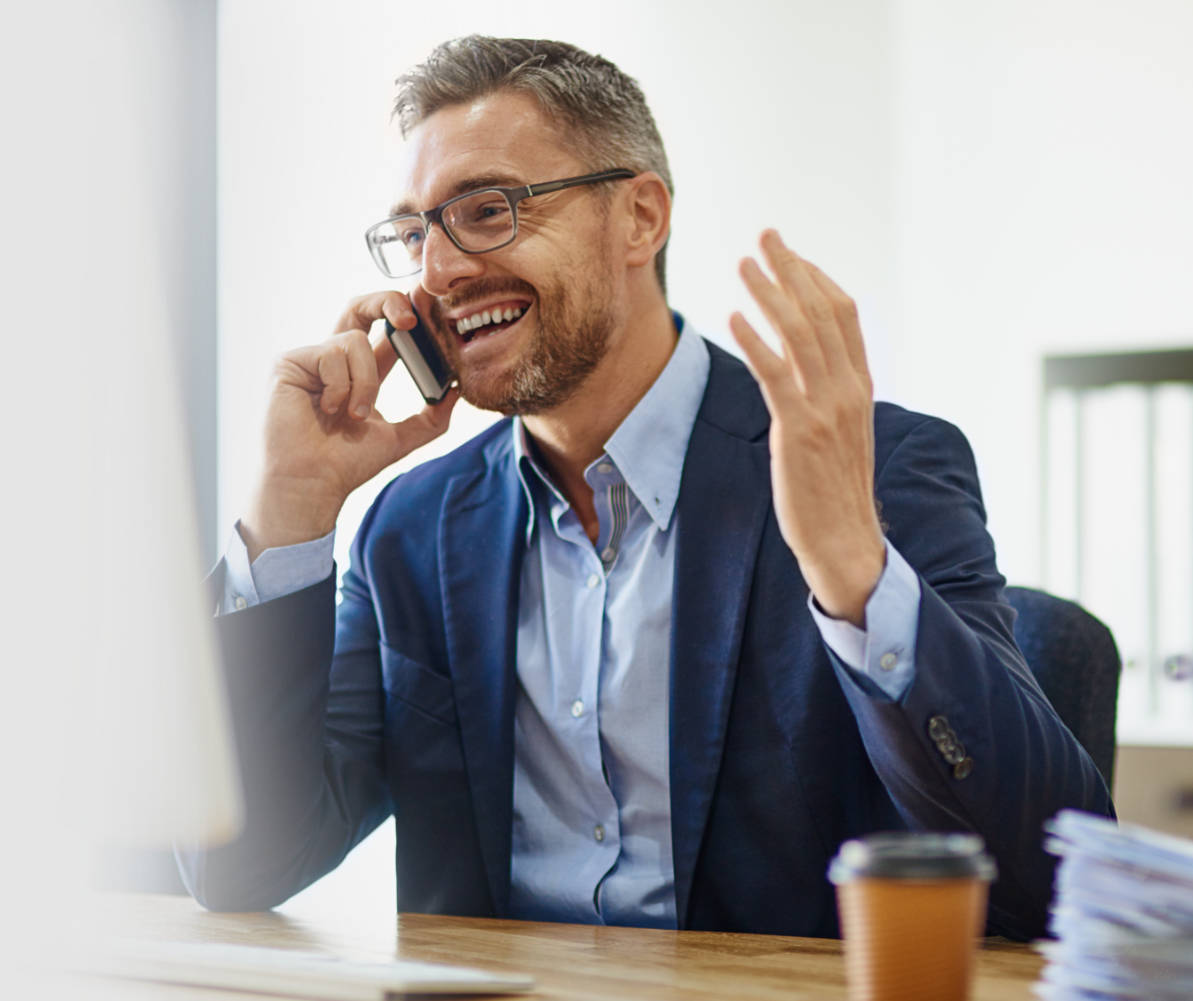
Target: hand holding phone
pixel 422 358
pixel 324 436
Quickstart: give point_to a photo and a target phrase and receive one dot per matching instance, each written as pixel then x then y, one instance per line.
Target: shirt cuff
pixel 275 573
pixel 884 652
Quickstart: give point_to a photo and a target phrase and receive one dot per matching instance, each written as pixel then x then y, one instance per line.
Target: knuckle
pixel 329 366
pixel 355 339
pixel 820 312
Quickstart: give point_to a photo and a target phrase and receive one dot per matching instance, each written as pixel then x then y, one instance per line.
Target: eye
pixel 487 210
pixel 410 234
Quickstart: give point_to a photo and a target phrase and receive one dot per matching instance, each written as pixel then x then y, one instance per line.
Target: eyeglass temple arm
pixel 571 182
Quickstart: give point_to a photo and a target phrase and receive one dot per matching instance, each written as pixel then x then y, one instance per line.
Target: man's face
pixel 558 273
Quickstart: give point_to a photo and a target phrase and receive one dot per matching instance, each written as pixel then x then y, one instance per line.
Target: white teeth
pixel 487 317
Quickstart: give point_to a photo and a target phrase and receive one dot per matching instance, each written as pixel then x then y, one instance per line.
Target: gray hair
pixel 601 108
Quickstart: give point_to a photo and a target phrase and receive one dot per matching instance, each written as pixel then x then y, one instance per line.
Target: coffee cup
pixel 912 906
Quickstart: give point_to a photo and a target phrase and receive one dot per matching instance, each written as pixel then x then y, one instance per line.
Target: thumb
pixel 425 426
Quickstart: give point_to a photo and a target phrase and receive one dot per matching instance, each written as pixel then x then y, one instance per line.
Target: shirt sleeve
pixel 275 573
pixel 883 652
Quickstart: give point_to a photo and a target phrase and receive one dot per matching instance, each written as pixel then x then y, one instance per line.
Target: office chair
pixel 1074 658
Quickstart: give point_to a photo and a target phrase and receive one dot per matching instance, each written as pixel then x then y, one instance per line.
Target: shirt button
pixel 608 554
pixel 593 580
pixel 887 661
pixel 240 603
pixel 605 467
pixel 577 709
pixel 598 832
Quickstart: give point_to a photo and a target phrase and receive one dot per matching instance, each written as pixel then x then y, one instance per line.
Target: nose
pixel 445 264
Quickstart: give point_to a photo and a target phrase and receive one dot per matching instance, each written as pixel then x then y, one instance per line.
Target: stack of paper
pixel 1122 913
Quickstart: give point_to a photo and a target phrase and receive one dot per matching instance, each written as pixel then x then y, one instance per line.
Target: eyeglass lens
pixel 480 221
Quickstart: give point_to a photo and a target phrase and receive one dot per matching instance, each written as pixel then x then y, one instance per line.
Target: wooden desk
pixel 568 962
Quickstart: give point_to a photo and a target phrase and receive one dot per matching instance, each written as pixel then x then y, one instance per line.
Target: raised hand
pixel 820 396
pixel 323 434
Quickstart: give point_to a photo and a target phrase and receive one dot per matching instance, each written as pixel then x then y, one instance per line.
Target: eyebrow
pixel 474 183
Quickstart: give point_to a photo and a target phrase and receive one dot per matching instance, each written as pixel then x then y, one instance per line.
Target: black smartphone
pixel 423 359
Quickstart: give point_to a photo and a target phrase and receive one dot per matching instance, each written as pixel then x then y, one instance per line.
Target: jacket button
pixel 938 728
pixel 962 768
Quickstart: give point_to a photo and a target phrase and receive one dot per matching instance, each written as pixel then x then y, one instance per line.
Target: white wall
pixel 1044 205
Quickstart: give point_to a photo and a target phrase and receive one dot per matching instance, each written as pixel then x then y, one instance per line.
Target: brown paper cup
pixel 912 907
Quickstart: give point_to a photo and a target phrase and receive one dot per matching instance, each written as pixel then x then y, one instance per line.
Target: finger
pixel 300 367
pixel 769 370
pixel 425 426
pixel 362 374
pixel 332 366
pixel 794 275
pixel 385 356
pixel 365 310
pixel 799 340
pixel 847 317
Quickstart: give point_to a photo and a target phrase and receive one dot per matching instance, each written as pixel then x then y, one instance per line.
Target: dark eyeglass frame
pixel 512 195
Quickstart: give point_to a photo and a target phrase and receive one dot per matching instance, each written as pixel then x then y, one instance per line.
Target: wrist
pixel 286 513
pixel 844 588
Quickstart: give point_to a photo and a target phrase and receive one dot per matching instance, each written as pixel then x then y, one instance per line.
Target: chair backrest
pixel 1074 658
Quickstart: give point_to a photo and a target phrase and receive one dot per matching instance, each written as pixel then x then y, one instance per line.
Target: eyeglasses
pixel 476 222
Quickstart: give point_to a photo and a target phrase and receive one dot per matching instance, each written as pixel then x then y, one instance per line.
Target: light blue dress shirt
pixel 591 833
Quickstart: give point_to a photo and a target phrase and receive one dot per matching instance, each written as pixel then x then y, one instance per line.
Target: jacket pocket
pixel 418 686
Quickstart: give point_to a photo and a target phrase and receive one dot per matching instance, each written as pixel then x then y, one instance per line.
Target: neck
pixel 573 435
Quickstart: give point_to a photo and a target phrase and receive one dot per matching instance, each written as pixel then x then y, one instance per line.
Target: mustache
pixel 482 288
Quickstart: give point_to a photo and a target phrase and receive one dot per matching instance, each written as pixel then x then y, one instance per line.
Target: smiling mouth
pixel 489 321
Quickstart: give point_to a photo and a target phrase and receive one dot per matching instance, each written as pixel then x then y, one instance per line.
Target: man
pixel 649 651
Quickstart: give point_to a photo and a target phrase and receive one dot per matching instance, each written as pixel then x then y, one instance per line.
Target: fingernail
pixel 361 411
pixel 332 409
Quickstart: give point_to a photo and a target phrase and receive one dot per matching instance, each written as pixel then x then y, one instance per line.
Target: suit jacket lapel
pixel 482 543
pixel 724 500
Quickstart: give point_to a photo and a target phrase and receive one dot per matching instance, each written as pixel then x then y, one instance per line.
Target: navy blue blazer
pixel 402 699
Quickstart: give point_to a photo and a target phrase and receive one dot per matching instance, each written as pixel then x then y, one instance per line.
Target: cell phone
pixel 422 358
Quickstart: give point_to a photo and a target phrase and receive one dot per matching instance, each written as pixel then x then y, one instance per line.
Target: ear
pixel 648 221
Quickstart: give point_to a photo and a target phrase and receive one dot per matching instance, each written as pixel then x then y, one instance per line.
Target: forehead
pixel 501 138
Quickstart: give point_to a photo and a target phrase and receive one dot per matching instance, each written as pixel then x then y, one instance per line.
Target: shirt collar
pixel 649 446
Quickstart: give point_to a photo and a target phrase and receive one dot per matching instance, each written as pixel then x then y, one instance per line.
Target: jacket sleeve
pixel 304 687
pixel 973 743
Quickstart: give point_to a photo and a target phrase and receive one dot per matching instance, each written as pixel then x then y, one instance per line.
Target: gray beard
pixel 569 344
